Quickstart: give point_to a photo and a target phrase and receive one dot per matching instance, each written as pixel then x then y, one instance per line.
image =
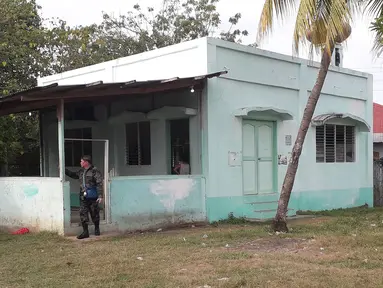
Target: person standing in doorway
pixel 90 194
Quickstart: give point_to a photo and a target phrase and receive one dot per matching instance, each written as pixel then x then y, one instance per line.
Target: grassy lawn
pixel 342 249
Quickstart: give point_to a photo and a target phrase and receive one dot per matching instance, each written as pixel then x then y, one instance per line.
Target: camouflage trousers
pixel 91 207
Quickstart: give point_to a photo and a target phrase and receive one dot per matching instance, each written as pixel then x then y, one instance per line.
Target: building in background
pixel 139 115
pixel 378 131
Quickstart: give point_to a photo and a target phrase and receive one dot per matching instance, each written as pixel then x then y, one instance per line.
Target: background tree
pixel 323 23
pixel 137 31
pixel 21 61
pixel 375 9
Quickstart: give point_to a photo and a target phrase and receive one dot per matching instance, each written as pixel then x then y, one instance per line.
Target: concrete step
pixel 265 205
pixel 268 214
pixel 248 199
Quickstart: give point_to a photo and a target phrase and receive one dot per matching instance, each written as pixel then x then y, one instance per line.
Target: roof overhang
pixel 47 96
pixel 256 112
pixel 323 119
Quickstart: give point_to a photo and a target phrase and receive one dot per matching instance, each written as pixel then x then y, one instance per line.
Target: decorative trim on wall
pixel 322 119
pixel 260 112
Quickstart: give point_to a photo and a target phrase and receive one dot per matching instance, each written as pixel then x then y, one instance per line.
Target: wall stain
pixel 172 190
pixel 31 190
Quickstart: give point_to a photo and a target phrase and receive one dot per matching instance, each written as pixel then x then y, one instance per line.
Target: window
pixel 74 150
pixel 138 143
pixel 180 144
pixel 335 143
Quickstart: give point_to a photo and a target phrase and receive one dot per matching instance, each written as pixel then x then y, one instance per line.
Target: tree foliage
pixel 375 9
pixel 325 19
pixel 21 37
pixel 21 61
pixel 137 31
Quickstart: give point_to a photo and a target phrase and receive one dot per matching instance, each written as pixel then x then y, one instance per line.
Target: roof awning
pixel 267 111
pixel 47 96
pixel 322 119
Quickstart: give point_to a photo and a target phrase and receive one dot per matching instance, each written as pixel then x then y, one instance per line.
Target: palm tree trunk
pixel 279 223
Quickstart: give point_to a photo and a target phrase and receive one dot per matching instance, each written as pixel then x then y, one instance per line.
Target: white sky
pixel 357 54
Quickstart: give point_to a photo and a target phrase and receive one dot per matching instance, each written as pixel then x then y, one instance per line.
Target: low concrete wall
pixel 156 201
pixel 32 202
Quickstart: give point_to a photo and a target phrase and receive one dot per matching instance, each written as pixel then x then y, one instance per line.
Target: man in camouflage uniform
pixel 90 194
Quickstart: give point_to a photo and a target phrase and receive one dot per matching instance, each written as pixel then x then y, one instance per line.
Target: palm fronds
pixel 325 21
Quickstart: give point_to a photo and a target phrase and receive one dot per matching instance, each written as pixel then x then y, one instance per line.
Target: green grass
pixel 357 211
pixel 341 249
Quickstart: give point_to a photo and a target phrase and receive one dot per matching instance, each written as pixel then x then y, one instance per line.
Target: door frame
pixel 274 153
pixel 107 198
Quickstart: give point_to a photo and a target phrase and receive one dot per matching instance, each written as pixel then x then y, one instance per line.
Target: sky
pixel 357 52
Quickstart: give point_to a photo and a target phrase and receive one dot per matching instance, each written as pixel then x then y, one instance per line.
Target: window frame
pixel 140 158
pixel 171 159
pixel 345 144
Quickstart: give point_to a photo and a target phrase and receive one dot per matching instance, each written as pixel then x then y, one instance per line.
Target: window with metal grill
pixel 138 143
pixel 335 144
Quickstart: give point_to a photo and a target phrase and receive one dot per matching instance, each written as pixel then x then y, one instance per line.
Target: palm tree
pixel 375 8
pixel 322 24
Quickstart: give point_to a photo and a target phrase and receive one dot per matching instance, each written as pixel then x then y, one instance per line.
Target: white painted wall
pixel 35 203
pixel 182 60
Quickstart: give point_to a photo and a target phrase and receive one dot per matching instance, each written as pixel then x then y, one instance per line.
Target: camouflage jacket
pixel 93 178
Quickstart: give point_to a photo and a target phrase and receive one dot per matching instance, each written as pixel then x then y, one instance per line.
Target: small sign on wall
pixel 288 140
pixel 234 158
pixel 284 159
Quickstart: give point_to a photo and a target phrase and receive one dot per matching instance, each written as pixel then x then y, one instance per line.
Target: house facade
pixel 231 112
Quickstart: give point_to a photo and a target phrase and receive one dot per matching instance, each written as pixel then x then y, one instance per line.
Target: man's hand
pixel 99 200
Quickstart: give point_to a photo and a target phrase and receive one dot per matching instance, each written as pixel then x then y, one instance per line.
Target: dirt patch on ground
pixel 276 244
pixel 317 220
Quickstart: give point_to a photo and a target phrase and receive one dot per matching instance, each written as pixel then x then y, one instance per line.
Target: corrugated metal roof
pixel 321 120
pixel 47 96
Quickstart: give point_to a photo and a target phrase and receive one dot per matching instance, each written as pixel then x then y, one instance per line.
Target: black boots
pixel 85 233
pixel 97 228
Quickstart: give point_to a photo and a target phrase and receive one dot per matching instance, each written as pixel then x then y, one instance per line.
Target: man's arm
pixel 99 183
pixel 74 175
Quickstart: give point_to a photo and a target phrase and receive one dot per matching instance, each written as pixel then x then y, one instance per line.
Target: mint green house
pixel 229 111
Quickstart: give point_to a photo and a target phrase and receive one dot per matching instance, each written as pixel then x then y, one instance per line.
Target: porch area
pixel 136 133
